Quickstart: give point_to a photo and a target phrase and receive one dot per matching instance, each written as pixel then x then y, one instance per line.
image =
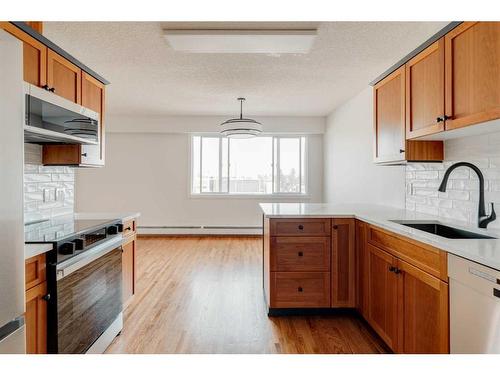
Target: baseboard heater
pixel 200 229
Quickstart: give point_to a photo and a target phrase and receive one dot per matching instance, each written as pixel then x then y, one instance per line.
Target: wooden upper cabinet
pixel 423 312
pixel 472 55
pixel 34 56
pixel 35 25
pixel 382 295
pixel 389 117
pixel 425 92
pixel 93 92
pixel 64 77
pixel 343 270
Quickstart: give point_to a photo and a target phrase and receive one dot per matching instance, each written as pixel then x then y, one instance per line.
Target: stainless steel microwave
pixel 50 118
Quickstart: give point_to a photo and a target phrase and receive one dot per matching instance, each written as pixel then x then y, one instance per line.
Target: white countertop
pixel 483 251
pixel 34 249
pixel 124 216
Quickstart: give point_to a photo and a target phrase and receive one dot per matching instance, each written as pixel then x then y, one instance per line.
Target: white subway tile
pixel 427 209
pixel 458 195
pixel 426 192
pixel 427 175
pixel 38 177
pixel 454 213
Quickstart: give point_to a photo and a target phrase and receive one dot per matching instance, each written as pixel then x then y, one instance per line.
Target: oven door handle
pixel 71 265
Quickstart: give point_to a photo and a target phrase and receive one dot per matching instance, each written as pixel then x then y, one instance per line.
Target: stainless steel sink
pixel 442 230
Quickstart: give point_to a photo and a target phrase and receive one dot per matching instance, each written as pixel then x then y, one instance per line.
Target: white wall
pixel 350 175
pixel 150 173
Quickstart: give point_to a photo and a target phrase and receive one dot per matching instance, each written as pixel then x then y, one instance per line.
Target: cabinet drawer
pixel 300 227
pixel 423 256
pixel 300 289
pixel 34 271
pixel 129 227
pixel 300 254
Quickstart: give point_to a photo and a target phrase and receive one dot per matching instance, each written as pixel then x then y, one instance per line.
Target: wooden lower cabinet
pixel 382 295
pixel 398 285
pixel 128 268
pixel 300 289
pixel 300 254
pixel 36 319
pixel 423 312
pixel 36 305
pixel 343 268
pixel 361 269
pixel 407 307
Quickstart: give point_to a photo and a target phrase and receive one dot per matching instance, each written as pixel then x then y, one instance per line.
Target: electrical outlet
pixel 46 195
pixel 59 195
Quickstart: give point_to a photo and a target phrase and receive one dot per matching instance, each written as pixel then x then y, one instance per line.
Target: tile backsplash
pixel 460 201
pixel 48 190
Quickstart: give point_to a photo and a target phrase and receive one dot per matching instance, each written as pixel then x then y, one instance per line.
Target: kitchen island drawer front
pixel 300 254
pixel 300 289
pixel 35 271
pixel 423 256
pixel 300 227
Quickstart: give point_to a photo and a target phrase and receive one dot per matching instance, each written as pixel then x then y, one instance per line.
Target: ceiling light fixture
pixel 241 41
pixel 241 127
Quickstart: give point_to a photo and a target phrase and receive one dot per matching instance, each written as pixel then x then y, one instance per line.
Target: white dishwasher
pixel 474 307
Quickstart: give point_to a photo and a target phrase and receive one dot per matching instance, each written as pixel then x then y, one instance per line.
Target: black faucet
pixel 483 219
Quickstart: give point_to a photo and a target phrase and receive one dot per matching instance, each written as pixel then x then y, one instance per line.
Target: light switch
pixel 59 195
pixel 46 195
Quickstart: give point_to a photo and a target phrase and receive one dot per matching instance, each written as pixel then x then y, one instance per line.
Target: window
pixel 260 165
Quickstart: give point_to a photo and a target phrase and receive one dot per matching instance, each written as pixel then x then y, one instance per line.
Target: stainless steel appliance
pixel 474 307
pixel 12 336
pixel 51 118
pixel 84 275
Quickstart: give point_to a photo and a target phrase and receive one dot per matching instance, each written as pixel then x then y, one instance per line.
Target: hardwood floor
pixel 204 295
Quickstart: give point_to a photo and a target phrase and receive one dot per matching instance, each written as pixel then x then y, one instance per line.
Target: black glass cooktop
pixel 59 228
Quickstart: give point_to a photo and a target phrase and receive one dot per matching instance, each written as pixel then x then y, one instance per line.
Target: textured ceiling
pixel 149 78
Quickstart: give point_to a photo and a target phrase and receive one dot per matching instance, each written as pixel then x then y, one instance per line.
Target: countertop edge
pixel 123 216
pixel 413 234
pixel 33 249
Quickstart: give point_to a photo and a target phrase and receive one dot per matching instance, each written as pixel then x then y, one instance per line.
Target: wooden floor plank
pixel 204 295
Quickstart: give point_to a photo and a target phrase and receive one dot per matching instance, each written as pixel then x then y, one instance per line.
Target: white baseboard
pixel 199 230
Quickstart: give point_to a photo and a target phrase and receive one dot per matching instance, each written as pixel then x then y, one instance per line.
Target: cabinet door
pixel 128 269
pixel 36 319
pixel 423 312
pixel 34 56
pixel 382 295
pixel 93 98
pixel 343 270
pixel 361 269
pixel 64 77
pixel 425 92
pixel 472 55
pixel 389 117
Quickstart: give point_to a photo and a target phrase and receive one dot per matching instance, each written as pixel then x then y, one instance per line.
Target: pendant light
pixel 241 127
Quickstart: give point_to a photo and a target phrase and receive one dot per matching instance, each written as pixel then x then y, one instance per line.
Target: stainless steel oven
pixel 51 118
pixel 85 304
